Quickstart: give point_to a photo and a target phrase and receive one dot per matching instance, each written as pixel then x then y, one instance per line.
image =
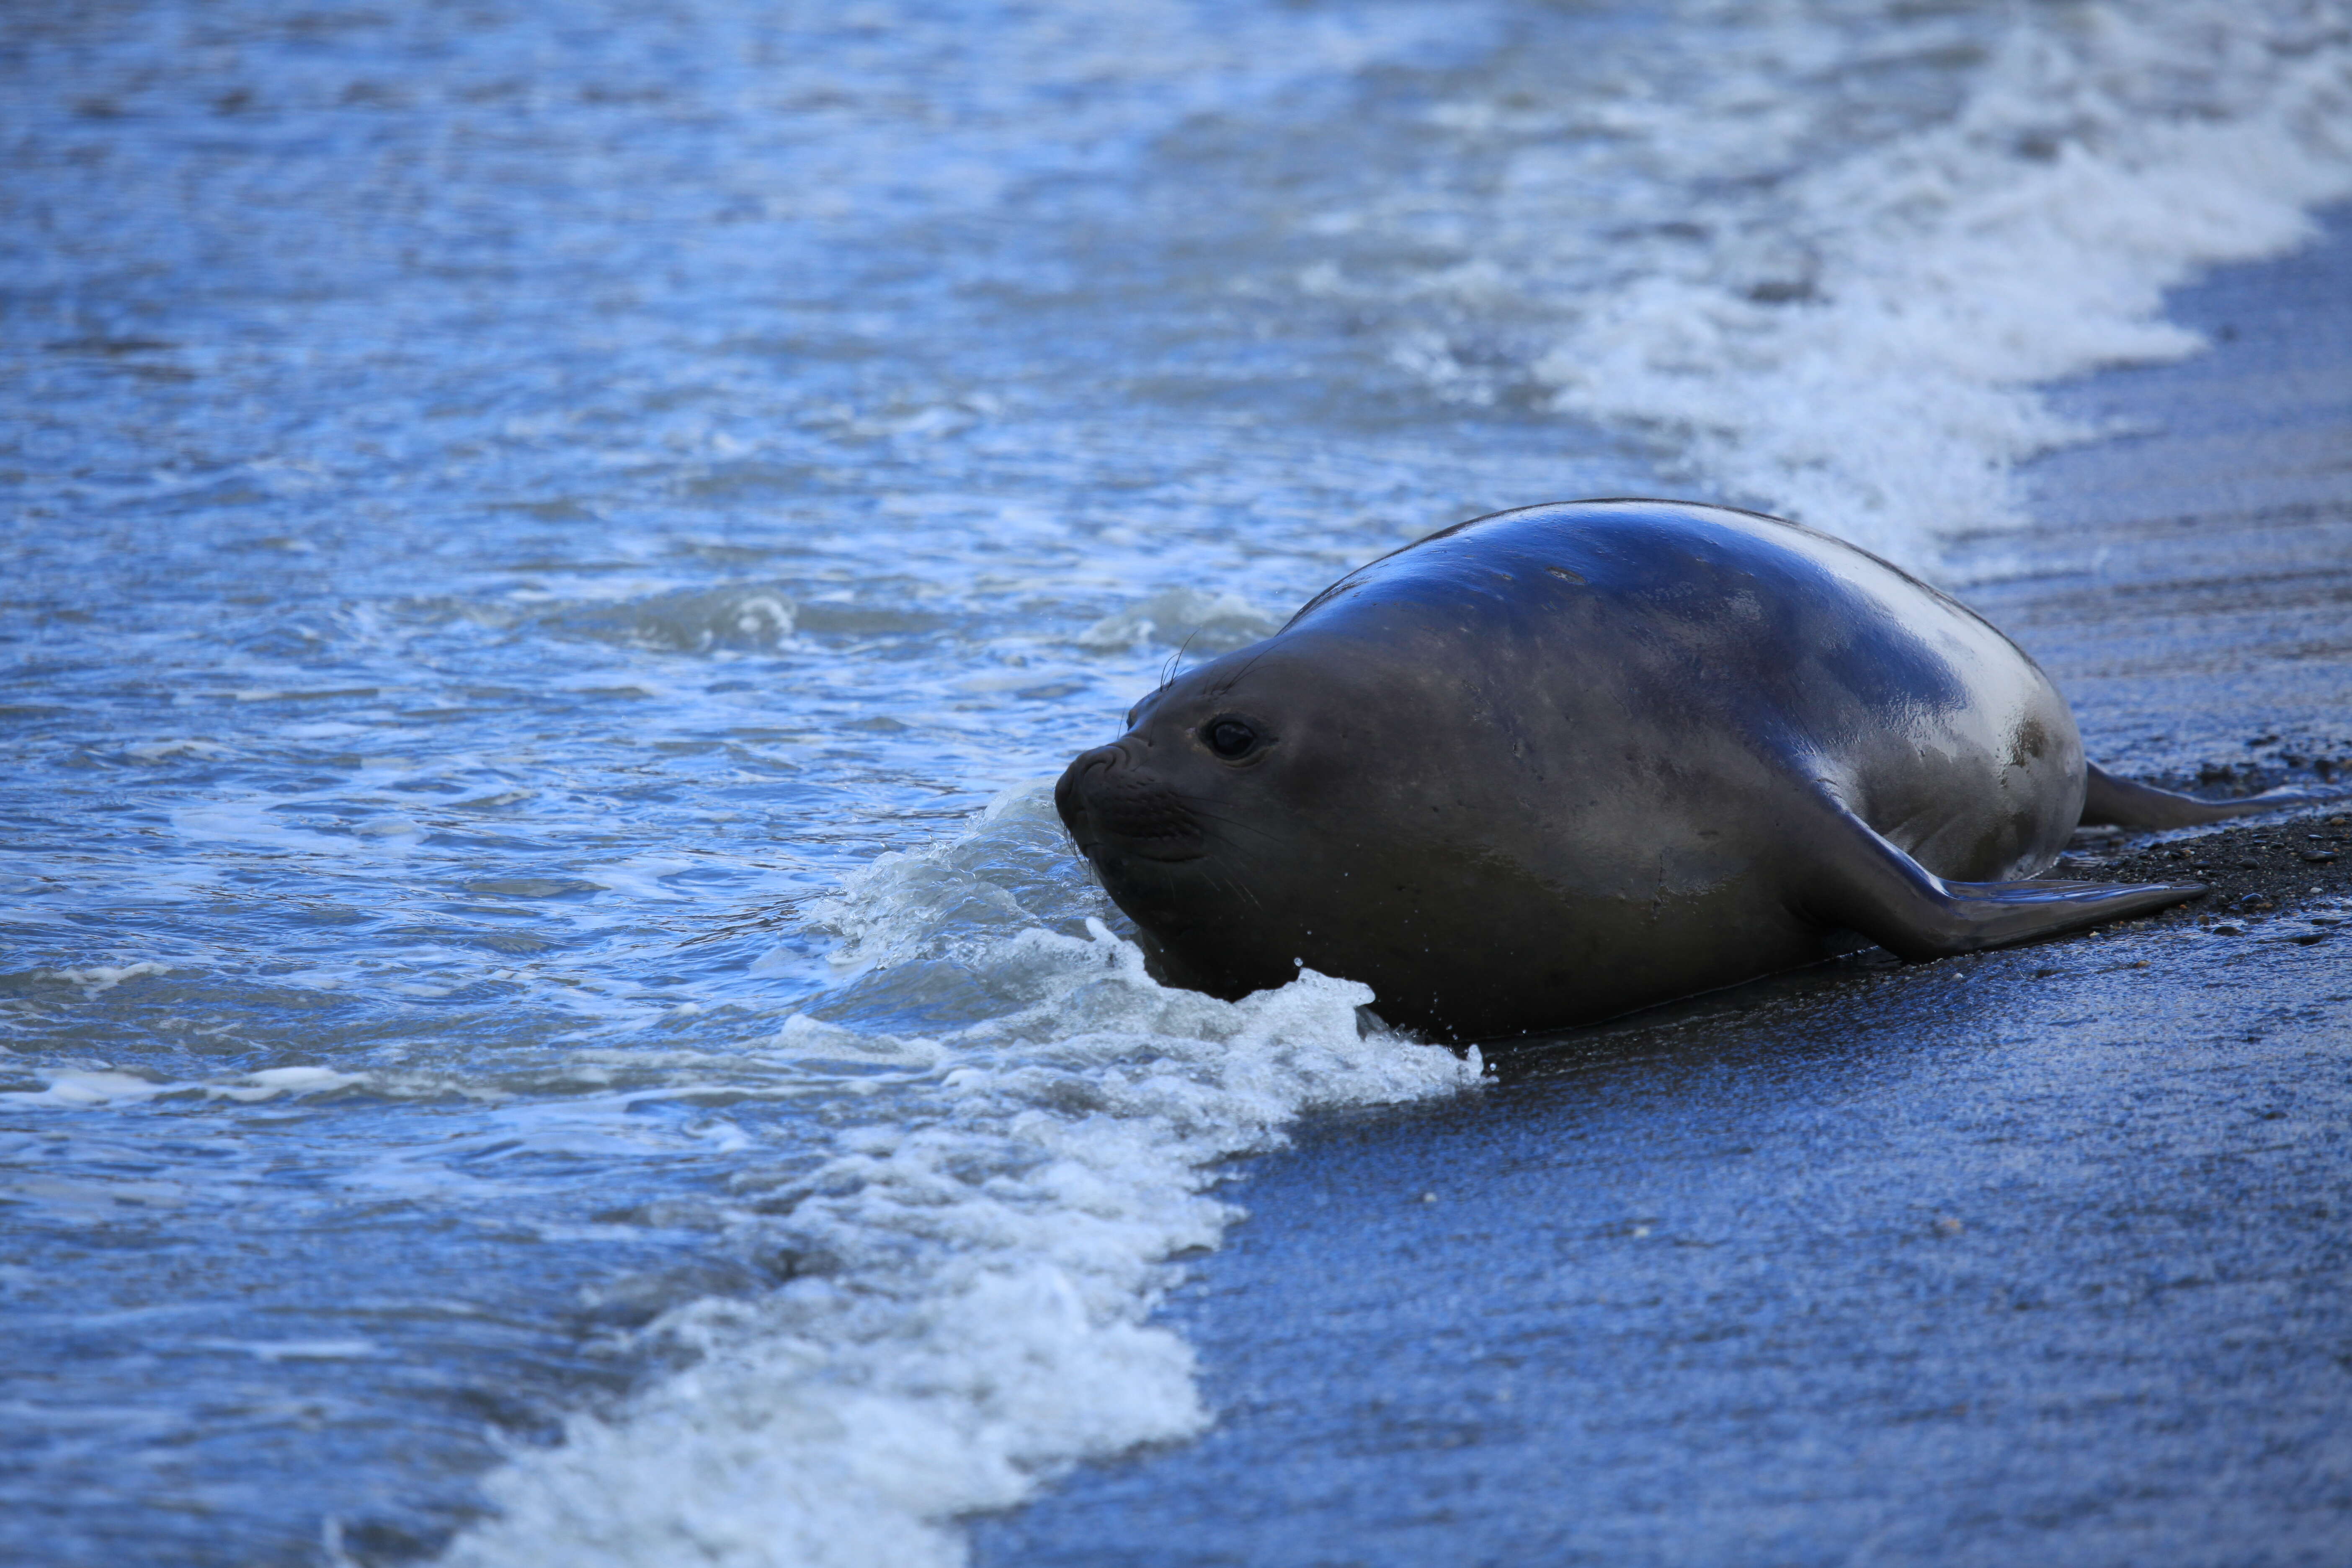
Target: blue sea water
pixel 550 549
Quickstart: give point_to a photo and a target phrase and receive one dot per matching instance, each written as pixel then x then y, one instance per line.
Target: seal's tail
pixel 2120 803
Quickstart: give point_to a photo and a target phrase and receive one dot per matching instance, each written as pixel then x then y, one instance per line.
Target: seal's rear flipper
pixel 1876 889
pixel 1962 917
pixel 2109 801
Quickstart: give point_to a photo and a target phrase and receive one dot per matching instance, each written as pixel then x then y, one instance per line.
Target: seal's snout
pixel 1070 795
pixel 1108 804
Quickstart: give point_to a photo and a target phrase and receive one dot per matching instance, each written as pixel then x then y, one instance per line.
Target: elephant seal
pixel 1564 762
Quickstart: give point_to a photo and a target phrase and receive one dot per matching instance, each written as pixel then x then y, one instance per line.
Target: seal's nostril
pixel 1070 790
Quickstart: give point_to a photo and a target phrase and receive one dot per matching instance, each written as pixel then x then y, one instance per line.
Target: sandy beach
pixel 2036 1255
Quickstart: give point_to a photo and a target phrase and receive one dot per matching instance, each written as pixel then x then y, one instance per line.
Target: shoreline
pixel 2031 1254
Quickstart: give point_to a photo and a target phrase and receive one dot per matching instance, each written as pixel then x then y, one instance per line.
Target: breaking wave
pixel 970 1268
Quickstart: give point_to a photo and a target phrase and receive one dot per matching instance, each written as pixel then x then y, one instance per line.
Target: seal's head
pixel 1203 819
pixel 1295 803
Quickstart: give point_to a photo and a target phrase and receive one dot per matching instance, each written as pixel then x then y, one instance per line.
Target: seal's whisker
pixel 1192 803
pixel 1240 890
pixel 1235 679
pixel 1175 661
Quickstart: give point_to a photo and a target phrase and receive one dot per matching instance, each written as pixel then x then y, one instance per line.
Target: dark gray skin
pixel 1558 763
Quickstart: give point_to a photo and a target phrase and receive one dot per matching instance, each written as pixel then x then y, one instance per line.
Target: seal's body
pixel 1560 762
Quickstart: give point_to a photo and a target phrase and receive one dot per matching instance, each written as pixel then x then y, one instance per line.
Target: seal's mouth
pixel 1113 809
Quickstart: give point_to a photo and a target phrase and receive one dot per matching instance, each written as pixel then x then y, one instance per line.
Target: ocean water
pixel 551 552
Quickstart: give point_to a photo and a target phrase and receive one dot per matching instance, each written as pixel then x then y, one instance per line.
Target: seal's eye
pixel 1229 737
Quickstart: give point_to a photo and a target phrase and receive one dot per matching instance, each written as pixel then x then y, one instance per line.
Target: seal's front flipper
pixel 1874 887
pixel 2108 801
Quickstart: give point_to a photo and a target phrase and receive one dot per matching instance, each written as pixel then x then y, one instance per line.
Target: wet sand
pixel 2038 1256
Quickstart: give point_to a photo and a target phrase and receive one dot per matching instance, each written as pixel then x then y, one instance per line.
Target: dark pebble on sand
pixel 2318 858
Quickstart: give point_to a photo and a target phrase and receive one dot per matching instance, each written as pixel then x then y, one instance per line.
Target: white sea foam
pixel 977 1258
pixel 98 978
pixel 76 1088
pixel 1860 350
